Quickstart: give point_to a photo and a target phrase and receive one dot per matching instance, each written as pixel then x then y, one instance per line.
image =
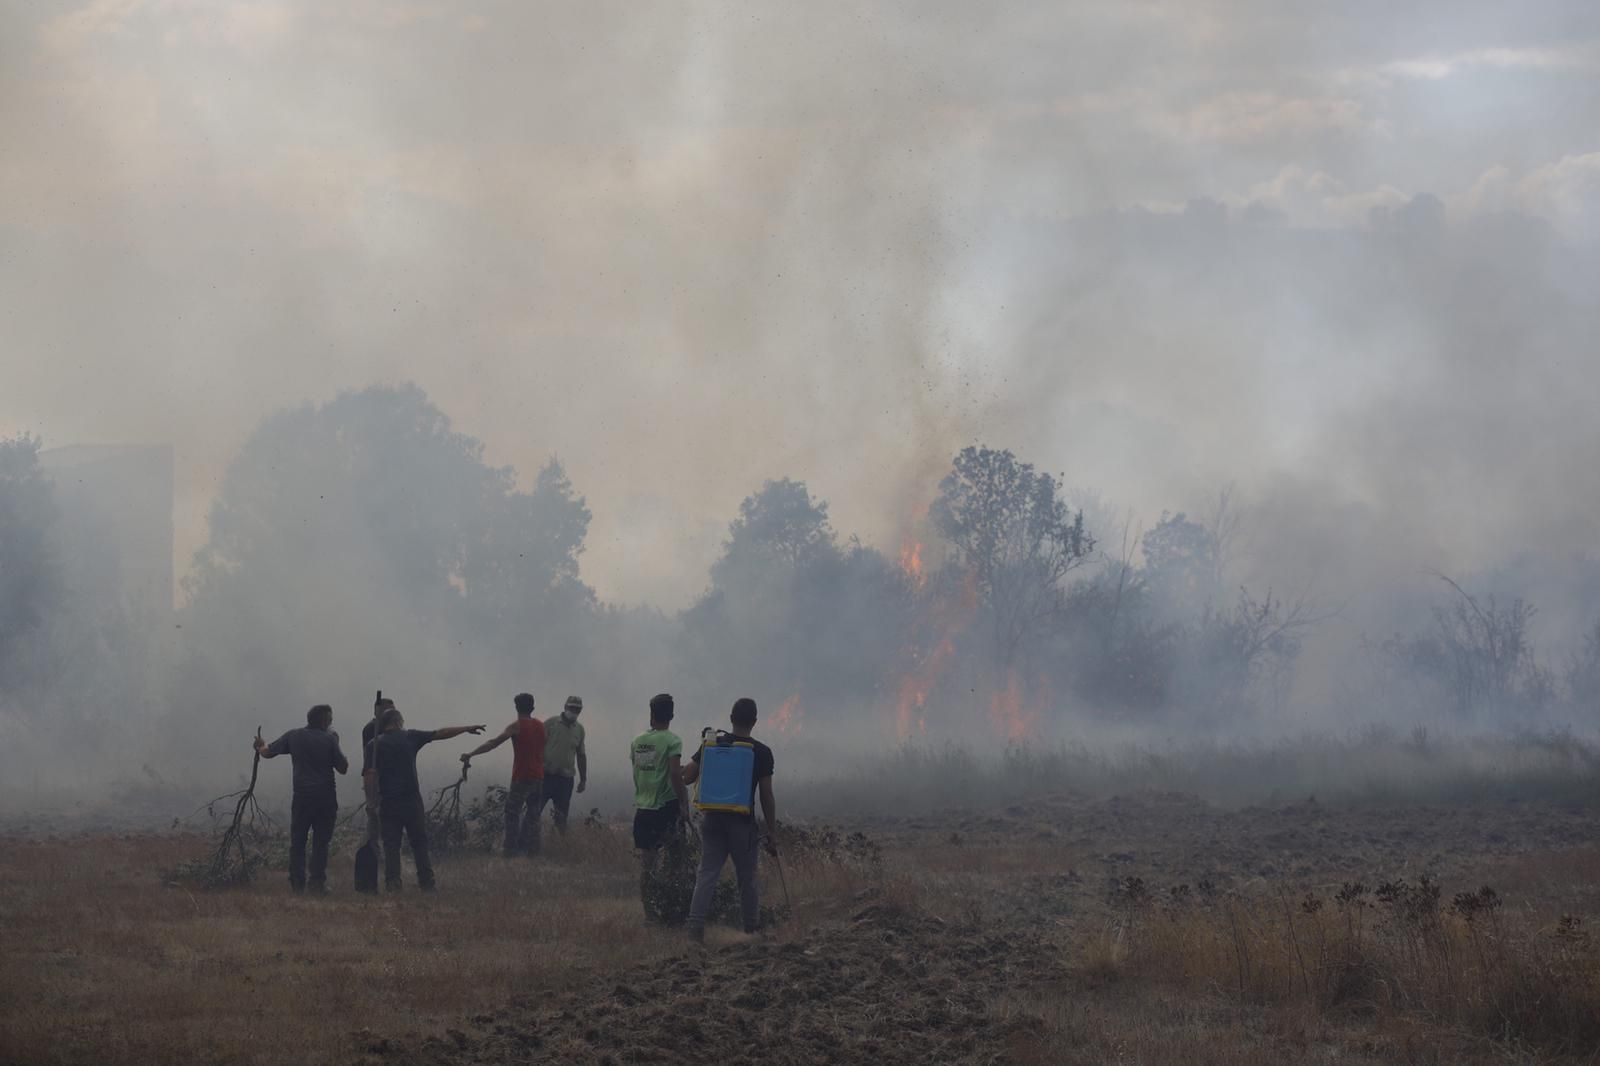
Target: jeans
pixel 558 793
pixel 405 816
pixel 523 804
pixel 724 836
pixel 314 814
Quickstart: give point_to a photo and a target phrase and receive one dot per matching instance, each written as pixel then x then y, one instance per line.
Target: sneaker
pixel 697 934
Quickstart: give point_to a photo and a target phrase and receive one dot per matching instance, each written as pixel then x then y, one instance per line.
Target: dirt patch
pixel 889 984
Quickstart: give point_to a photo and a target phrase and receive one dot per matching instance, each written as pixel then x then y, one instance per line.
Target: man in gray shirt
pixel 316 755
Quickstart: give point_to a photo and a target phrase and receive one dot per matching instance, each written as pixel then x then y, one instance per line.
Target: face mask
pixel 568 717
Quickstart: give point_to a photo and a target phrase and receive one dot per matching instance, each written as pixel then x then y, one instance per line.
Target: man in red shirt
pixel 527 777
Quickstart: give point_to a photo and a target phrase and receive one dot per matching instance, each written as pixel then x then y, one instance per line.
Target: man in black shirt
pixel 316 755
pixel 725 835
pixel 394 758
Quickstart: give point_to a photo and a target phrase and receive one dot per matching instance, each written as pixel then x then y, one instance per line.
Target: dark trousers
pixel 314 815
pixel 407 817
pixel 523 804
pixel 558 793
pixel 725 836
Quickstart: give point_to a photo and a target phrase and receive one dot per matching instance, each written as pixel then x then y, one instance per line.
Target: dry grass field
pixel 1149 928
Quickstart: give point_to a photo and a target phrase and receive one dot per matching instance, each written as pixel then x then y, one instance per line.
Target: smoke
pixel 1348 266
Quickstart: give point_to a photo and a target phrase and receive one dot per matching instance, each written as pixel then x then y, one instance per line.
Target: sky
pixel 1343 257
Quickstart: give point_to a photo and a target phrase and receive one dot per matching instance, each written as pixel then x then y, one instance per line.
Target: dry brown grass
pixel 106 963
pixel 1527 977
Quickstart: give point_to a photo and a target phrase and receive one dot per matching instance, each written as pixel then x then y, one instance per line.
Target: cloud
pixel 1315 199
pixel 1249 117
pixel 1565 193
pixel 1562 58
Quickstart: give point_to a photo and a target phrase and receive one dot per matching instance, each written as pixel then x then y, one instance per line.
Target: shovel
pixel 367 853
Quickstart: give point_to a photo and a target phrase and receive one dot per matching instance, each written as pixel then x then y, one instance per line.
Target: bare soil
pixel 954 937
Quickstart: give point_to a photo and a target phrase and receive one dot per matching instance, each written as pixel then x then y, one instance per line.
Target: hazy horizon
pixel 687 250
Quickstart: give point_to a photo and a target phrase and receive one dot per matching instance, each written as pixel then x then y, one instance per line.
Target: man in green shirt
pixel 563 753
pixel 659 798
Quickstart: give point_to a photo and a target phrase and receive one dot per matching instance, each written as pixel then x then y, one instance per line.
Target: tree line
pixel 368 534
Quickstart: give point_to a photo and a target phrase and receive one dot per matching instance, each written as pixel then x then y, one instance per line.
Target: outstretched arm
pixel 456 730
pixel 488 745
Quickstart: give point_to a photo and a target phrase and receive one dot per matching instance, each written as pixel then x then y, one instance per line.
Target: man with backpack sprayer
pixel 524 799
pixel 731 769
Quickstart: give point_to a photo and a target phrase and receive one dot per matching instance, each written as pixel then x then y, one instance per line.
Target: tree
pixel 780 523
pixel 1583 674
pixel 367 532
pixel 1182 567
pixel 1479 654
pixel 1013 535
pixel 790 611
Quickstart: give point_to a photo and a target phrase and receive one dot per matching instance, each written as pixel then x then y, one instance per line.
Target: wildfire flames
pixel 1010 710
pixel 911 562
pixel 916 685
pixel 790 713
pixel 1013 709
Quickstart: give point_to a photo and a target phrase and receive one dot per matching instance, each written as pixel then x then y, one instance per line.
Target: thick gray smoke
pixel 1347 266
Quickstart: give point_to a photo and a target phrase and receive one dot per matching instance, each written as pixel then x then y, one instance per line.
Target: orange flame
pixel 915 686
pixel 911 562
pixel 1010 713
pixel 789 716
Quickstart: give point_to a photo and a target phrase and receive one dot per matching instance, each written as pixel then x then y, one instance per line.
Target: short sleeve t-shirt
pixel 652 778
pixel 316 755
pixel 762 767
pixel 395 755
pixel 563 745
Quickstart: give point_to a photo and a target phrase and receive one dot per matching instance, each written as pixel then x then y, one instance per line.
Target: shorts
pixel 652 828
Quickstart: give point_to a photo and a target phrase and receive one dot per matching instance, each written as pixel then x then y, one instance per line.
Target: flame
pixel 789 716
pixel 1014 719
pixel 910 708
pixel 948 618
pixel 911 562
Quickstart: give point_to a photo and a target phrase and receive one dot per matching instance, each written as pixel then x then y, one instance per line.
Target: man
pixel 523 799
pixel 724 834
pixel 315 753
pixel 394 761
pixel 369 777
pixel 659 799
pixel 563 752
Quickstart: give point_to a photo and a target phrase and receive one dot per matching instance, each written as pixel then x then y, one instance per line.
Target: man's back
pixel 316 754
pixel 527 747
pixel 395 756
pixel 652 778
